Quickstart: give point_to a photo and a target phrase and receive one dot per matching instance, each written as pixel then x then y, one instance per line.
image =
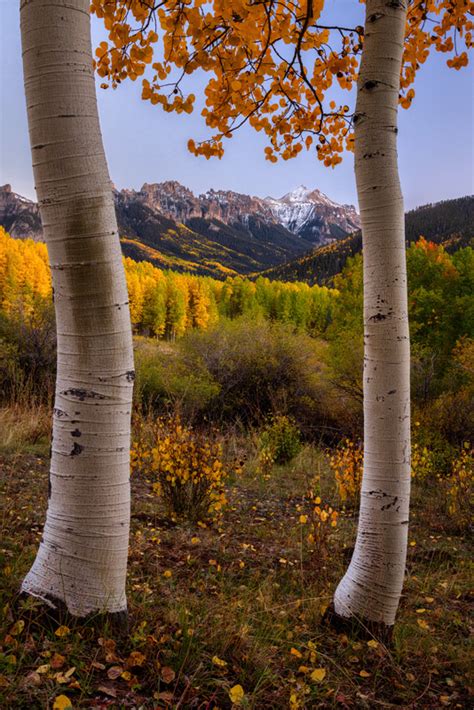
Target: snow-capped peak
pixel 299 194
pixel 304 195
pixel 299 207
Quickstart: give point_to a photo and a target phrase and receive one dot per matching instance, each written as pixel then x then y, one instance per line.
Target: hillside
pixel 217 233
pixel 450 223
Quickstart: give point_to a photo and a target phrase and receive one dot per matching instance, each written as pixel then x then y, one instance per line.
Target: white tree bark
pixel 83 554
pixel 372 585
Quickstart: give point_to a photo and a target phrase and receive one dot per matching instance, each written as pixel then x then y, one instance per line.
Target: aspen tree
pixel 372 585
pixel 82 558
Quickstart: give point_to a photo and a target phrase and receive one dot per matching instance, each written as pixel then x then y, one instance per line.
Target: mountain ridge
pixel 215 233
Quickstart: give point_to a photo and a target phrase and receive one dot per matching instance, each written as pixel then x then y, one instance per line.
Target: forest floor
pixel 232 615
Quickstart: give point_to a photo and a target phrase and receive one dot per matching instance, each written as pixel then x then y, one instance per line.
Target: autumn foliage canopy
pixel 271 64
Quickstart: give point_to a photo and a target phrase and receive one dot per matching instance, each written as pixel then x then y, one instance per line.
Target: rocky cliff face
pixel 19 216
pixel 303 212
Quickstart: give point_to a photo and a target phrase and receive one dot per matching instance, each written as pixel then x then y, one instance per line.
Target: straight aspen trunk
pixel 82 557
pixel 372 585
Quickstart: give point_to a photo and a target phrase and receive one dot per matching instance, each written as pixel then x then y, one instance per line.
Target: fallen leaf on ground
pixel 62 702
pixel 167 674
pixel 17 628
pixel 107 690
pixel 219 662
pixel 136 659
pixel 114 672
pixel 62 631
pixel 57 661
pixel 236 694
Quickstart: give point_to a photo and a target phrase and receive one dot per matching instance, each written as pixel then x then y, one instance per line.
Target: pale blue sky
pixel 144 144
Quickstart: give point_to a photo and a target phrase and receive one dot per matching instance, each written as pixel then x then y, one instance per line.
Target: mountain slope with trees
pixel 450 223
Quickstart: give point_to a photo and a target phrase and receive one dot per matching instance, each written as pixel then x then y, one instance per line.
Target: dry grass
pixel 25 428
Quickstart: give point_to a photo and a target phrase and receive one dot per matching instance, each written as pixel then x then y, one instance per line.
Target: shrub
pixel 28 354
pixel 185 467
pixel 422 462
pixel 265 463
pixel 280 439
pixel 459 487
pixel 318 525
pixel 241 371
pixel 452 414
pixel 347 462
pixel 165 383
pixel 431 452
pixel 260 368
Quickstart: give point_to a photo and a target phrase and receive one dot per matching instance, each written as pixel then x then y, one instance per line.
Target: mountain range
pixel 217 233
pixel 303 236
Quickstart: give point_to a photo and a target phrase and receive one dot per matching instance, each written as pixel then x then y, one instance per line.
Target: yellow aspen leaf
pixel 422 624
pixel 236 694
pixel 303 669
pixel 295 652
pixel 318 675
pixel 372 643
pixel 303 519
pixel 219 662
pixel 62 702
pixel 167 573
pixel 364 674
pixel 62 631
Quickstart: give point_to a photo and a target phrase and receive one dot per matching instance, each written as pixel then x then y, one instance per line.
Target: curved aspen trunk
pixel 82 557
pixel 372 585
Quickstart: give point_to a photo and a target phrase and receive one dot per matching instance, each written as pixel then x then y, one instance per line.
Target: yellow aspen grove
pixel 82 558
pixel 272 65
